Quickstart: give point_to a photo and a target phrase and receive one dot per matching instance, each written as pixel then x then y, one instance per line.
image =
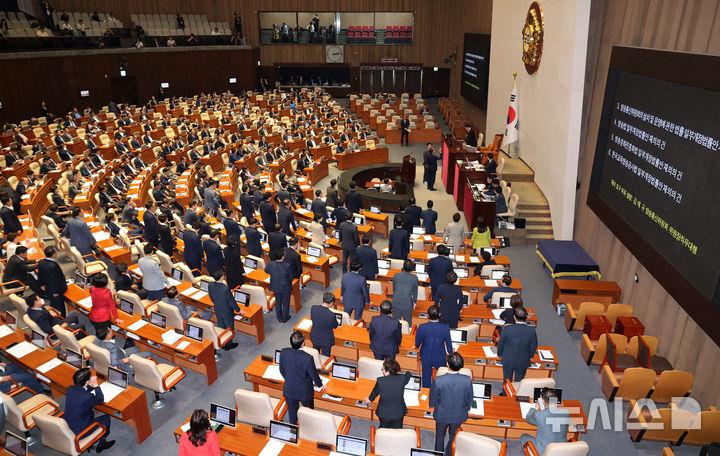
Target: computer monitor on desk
pixel 419 230
pixel 221 416
pixel 251 263
pixel 205 285
pixel 344 372
pixel 497 274
pixel 314 252
pixel 459 336
pixel 158 319
pixel 194 332
pixel 126 306
pixel 117 377
pixel 242 298
pixel 74 358
pixel 284 432
pixel 177 274
pixel 350 446
pixel 38 339
pixel 462 273
pixel 424 452
pixel 17 446
pixel 10 320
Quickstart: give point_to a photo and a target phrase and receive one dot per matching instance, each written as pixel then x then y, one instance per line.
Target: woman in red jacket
pixel 199 440
pixel 103 310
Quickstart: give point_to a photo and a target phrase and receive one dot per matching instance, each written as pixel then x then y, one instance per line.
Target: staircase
pixel 538 221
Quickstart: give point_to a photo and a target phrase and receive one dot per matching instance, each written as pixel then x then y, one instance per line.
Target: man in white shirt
pixel 171 42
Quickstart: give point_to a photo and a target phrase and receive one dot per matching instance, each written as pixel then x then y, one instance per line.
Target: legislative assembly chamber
pixel 358 228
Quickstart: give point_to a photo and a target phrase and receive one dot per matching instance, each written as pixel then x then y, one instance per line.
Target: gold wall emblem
pixel 532 36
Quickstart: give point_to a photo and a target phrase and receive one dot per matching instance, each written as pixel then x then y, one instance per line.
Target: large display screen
pixel 656 170
pixel 475 69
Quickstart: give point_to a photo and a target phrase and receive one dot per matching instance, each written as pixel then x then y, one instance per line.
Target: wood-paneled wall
pixel 58 80
pixel 439 28
pixel 681 25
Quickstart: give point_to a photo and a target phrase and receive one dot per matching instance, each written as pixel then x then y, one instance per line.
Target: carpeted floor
pixel 578 380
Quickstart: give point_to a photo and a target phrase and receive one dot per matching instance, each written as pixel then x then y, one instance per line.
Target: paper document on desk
pixel 101 235
pixel 490 352
pixel 525 408
pixel 460 258
pixel 546 355
pixel 137 325
pixel 304 325
pixel 183 345
pixel 199 295
pixel 188 292
pixel 110 391
pixel 111 248
pixel 266 279
pixel 48 366
pixel 491 283
pixel 478 407
pixel 324 381
pixel 86 303
pixel 5 330
pixel 185 427
pixel 273 373
pixel 272 448
pixel 311 259
pixel 170 337
pixel 430 255
pixel 173 282
pixel 496 312
pixel 302 210
pixel 474 259
pixel 218 226
pixel 22 349
pixel 411 398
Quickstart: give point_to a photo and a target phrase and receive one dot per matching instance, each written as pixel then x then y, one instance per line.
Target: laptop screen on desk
pixel 421 268
pixel 383 264
pixel 504 303
pixel 177 274
pixel 497 274
pixel 491 250
pixel 459 336
pixel 126 306
pixel 204 285
pixel 358 221
pixel 158 319
pixel 38 339
pixel 242 298
pixel 117 377
pixel 194 332
pixel 222 415
pixel 423 452
pixel 80 280
pixel 313 251
pixel 344 371
pixel 17 446
pixel 351 446
pixel 10 320
pixel 277 357
pixel 283 431
pixel 251 263
pixel 481 390
pixel 418 230
pixel 462 273
pixel 374 209
pixel 414 383
pixel 74 358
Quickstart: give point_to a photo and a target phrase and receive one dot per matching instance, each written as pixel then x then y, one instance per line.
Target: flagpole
pixel 513 87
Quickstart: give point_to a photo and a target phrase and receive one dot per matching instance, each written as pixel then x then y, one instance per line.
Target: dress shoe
pixel 104 445
pixel 230 346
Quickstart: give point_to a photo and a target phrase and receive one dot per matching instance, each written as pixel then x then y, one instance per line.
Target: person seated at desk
pixel 80 399
pixel 199 440
pixel 12 376
pixel 552 422
pixel 487 261
pixel 353 146
pixel 126 282
pixel 53 213
pixel 19 268
pixel 45 321
pixel 385 187
pixel 119 357
pixel 390 387
pixel 505 287
pixel 508 315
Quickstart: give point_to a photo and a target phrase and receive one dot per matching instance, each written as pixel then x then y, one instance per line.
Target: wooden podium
pixel 407 173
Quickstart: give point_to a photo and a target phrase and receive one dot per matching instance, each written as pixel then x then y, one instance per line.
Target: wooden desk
pixel 462 175
pixel 629 326
pixel 197 356
pixel 318 171
pixel 129 406
pixel 473 209
pixel 35 202
pixel 380 222
pixel 262 279
pixel 361 158
pixel 575 291
pixel 416 135
pixel 596 325
pixel 472 285
pixel 467 261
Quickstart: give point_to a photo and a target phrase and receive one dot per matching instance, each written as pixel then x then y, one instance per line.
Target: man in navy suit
pixel 292 258
pixel 429 217
pixel 324 321
pixel 405 292
pixel 246 203
pixel 349 239
pixel 80 398
pixel 353 199
pixel 232 228
pixel 214 259
pixel 505 287
pixel 150 233
pixel 298 370
pixel 399 241
pixel 368 257
pixel 516 347
pixel 193 251
pixel 451 396
pixel 319 208
pixel 280 284
pixel 340 214
pixel 385 333
pixel 449 299
pixel 267 213
pixel 354 290
pixel 252 238
pixel 276 240
pixel 224 304
pixel 438 268
pixel 286 219
pixel 433 340
pixel 414 212
pixel 491 165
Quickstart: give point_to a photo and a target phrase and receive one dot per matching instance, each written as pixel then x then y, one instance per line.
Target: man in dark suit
pixel 280 284
pixel 267 213
pixel 193 251
pixel 438 268
pixel 150 233
pixel 516 347
pixel 451 396
pixel 349 240
pixel 11 222
pixel 52 279
pixel 45 321
pixel 298 370
pixel 166 239
pixel 413 211
pixel 399 241
pixel 354 291
pixel 246 204
pixel 252 238
pixel 470 139
pixel 232 228
pixel 80 399
pixel 19 268
pixel 324 321
pixel 224 304
pixel 391 408
pixel 504 288
pixel 332 197
pixel 319 208
pixel 434 342
pixel 353 200
pixel 292 258
pixel 491 165
pixel 340 214
pixel 276 240
pixel 429 217
pixel 286 219
pixel 430 162
pixel 213 252
pixel 385 333
pixel 449 299
pixel 368 257
pixel 404 130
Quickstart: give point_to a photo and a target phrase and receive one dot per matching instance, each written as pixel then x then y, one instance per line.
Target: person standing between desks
pixel 80 398
pixel 298 370
pixel 454 234
pixel 324 321
pixel 430 160
pixel 404 130
pixel 516 347
pixel 438 268
pixel 280 284
pixel 405 292
pixel 103 311
pixel 52 280
pixel 552 422
pixel 199 440
pixel 480 235
pixel 350 240
pixel 390 387
pixel 449 299
pixel 224 305
pixel 434 342
pixel 399 240
pixel 354 291
pixel 429 216
pixel 451 397
pixel 154 279
pixel 385 333
pixel 368 257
